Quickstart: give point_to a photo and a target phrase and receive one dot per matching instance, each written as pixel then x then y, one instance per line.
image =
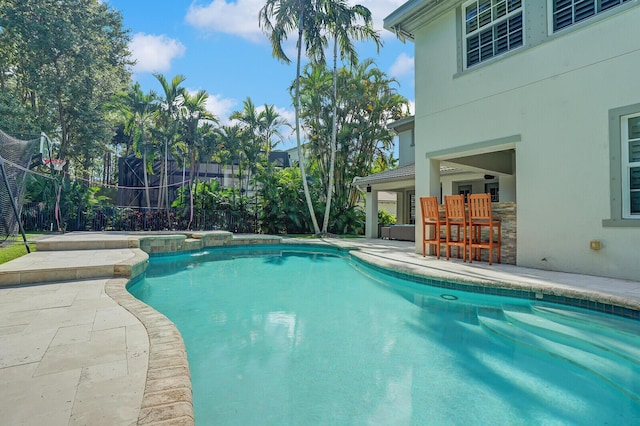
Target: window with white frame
pixel 569 12
pixel 491 28
pixel 630 151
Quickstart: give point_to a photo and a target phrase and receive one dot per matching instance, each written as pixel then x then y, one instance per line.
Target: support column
pixel 427 184
pixel 371 211
pixel 401 208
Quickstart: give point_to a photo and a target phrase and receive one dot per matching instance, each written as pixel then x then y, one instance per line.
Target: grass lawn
pixel 12 249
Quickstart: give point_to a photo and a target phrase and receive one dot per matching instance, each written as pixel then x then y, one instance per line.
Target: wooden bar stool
pixel 431 224
pixel 455 217
pixel 481 217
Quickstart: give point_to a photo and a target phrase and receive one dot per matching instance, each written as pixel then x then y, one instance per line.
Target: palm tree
pixel 193 112
pixel 340 22
pixel 138 108
pixel 270 124
pixel 168 119
pixel 277 18
pixel 231 139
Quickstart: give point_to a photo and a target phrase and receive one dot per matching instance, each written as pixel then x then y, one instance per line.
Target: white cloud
pixel 402 66
pixel 221 107
pixel 412 107
pixel 154 53
pixel 236 17
pixel 241 17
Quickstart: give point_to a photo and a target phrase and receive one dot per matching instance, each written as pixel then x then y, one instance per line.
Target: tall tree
pixel 65 60
pixel 138 109
pixel 270 124
pixel 260 126
pixel 367 100
pixel 341 21
pixel 277 18
pixel 168 122
pixel 231 139
pixel 193 113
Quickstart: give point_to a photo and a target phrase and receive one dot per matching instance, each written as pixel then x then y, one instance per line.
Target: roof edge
pixel 407 18
pixel 402 124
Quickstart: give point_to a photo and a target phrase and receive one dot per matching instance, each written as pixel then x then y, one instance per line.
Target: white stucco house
pixel 543 96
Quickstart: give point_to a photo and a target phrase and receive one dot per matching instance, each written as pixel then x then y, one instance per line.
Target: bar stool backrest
pixel 480 208
pixel 454 209
pixel 429 207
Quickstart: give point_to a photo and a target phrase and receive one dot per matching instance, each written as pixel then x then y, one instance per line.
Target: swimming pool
pixel 292 337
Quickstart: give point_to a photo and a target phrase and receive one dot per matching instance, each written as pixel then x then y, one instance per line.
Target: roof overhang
pixel 399 174
pixel 402 125
pixel 405 20
pixel 401 177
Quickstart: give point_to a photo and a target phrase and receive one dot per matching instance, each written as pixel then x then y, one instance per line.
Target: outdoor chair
pixel 481 218
pixel 455 217
pixel 431 225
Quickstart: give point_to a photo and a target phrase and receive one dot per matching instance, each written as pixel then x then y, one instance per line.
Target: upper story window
pixel 491 27
pixel 569 12
pixel 631 166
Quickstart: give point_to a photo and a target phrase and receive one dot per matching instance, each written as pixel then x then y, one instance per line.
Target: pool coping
pixel 168 394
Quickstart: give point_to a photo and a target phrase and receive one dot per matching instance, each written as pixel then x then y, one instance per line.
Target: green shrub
pixel 386 218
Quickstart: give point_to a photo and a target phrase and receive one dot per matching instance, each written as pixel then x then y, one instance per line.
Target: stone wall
pixel 506 214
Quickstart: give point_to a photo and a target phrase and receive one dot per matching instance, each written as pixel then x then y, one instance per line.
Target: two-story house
pixel 544 96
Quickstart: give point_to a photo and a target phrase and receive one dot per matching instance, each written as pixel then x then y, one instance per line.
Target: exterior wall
pixel 551 103
pixel 406 151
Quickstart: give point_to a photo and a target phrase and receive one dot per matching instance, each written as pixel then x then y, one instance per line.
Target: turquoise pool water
pixel 299 338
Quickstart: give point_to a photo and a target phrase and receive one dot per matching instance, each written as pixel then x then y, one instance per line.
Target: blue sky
pixel 219 47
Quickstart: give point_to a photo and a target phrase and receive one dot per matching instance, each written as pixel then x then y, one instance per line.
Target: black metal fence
pixel 38 217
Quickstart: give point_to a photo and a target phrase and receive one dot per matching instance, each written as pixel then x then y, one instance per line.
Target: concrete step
pixel 53 266
pixel 87 241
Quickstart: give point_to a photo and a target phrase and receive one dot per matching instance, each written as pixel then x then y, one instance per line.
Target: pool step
pixel 579 335
pixel 607 369
pixel 577 318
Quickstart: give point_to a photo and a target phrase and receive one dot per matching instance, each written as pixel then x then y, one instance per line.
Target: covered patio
pixel 482 167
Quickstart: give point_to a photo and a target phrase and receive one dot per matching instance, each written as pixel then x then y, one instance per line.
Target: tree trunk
pixel 307 195
pixel 334 130
pixel 146 177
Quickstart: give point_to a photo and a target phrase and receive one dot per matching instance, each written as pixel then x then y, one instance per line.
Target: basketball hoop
pixel 57 164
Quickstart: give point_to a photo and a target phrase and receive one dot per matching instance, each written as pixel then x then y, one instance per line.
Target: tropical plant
pixel 367 101
pixel 168 126
pixel 231 140
pixel 277 18
pixel 138 108
pixel 385 218
pixel 341 20
pixel 192 114
pixel 282 201
pixel 250 148
pixel 270 128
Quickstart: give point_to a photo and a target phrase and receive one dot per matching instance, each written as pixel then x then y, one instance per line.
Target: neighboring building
pixel 131 178
pixel 543 96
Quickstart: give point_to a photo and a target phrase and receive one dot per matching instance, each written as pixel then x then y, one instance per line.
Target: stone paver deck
pixel 78 349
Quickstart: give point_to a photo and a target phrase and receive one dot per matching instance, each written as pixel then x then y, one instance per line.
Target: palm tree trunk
pixel 166 177
pixel 307 195
pixel 146 177
pixel 334 131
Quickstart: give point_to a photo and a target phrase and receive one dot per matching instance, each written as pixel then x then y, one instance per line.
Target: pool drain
pixel 448 297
